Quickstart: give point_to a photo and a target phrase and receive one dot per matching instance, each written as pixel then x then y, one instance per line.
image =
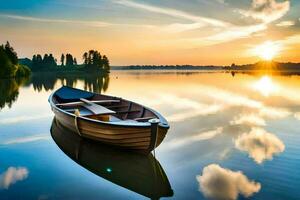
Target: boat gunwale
pixel 163 123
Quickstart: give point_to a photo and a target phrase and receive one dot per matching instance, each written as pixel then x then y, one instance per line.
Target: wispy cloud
pixel 90 23
pixel 173 13
pixel 64 21
pixel 232 33
pixel 12 175
pixel 227 31
pixel 286 24
pixel 220 183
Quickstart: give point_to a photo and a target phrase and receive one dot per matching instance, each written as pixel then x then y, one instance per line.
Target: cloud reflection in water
pixel 223 184
pixel 12 175
pixel 259 144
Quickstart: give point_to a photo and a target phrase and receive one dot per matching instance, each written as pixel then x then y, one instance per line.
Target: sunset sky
pixel 198 32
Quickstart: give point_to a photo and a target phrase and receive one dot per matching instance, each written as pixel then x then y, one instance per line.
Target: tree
pixel 62 59
pixel 85 58
pixel 69 60
pixel 9 64
pixel 75 61
pixel 106 65
pixel 7 69
pixel 94 61
pixel 10 52
pixel 90 58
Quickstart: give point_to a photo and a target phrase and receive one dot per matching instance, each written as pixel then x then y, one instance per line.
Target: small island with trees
pixel 12 67
pixel 93 62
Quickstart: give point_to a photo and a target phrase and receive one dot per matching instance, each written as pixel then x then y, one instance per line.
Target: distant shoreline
pixel 260 66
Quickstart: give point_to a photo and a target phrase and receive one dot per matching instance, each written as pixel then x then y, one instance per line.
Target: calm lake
pixel 231 137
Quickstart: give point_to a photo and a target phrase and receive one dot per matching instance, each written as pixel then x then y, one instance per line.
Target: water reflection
pixel 94 83
pixel 215 118
pixel 12 175
pixel 223 184
pixel 141 174
pixel 265 86
pixel 259 144
pixel 9 90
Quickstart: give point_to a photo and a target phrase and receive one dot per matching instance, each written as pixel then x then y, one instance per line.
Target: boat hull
pixel 128 137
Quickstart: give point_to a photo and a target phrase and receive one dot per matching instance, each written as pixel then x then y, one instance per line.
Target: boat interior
pixel 103 108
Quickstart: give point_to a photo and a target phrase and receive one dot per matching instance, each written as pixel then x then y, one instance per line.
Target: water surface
pixel 231 137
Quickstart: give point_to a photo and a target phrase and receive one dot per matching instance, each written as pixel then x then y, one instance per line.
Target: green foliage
pixel 46 63
pixel 10 52
pixel 7 68
pixel 9 64
pixel 93 61
pixel 69 60
pixel 62 59
pixel 23 71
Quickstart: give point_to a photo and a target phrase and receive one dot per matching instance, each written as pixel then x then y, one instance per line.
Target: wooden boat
pixel 108 119
pixel 138 173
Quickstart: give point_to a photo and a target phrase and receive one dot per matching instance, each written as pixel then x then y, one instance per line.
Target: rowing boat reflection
pixel 139 173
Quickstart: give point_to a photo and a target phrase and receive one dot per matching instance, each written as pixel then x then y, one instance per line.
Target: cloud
pixel 194 138
pixel 26 139
pixel 178 27
pixel 259 144
pixel 75 22
pixel 35 19
pixel 12 175
pixel 223 184
pixel 227 32
pixel 248 119
pixel 173 13
pixel 266 10
pixel 286 24
pixel 232 33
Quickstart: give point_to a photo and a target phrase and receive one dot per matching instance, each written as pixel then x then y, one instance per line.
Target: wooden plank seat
pixel 79 103
pixel 95 108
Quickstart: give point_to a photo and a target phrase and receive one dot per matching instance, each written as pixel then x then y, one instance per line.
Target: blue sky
pixel 136 32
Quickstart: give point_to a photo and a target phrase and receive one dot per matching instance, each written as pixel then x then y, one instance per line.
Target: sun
pixel 267 51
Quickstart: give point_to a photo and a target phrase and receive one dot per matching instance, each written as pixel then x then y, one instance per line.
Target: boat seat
pixel 95 108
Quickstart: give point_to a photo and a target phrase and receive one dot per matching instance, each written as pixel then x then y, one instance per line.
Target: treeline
pixel 93 61
pixel 168 67
pixel 9 64
pixel 266 65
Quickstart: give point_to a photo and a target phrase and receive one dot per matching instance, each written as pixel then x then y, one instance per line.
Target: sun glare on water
pixel 265 86
pixel 267 51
